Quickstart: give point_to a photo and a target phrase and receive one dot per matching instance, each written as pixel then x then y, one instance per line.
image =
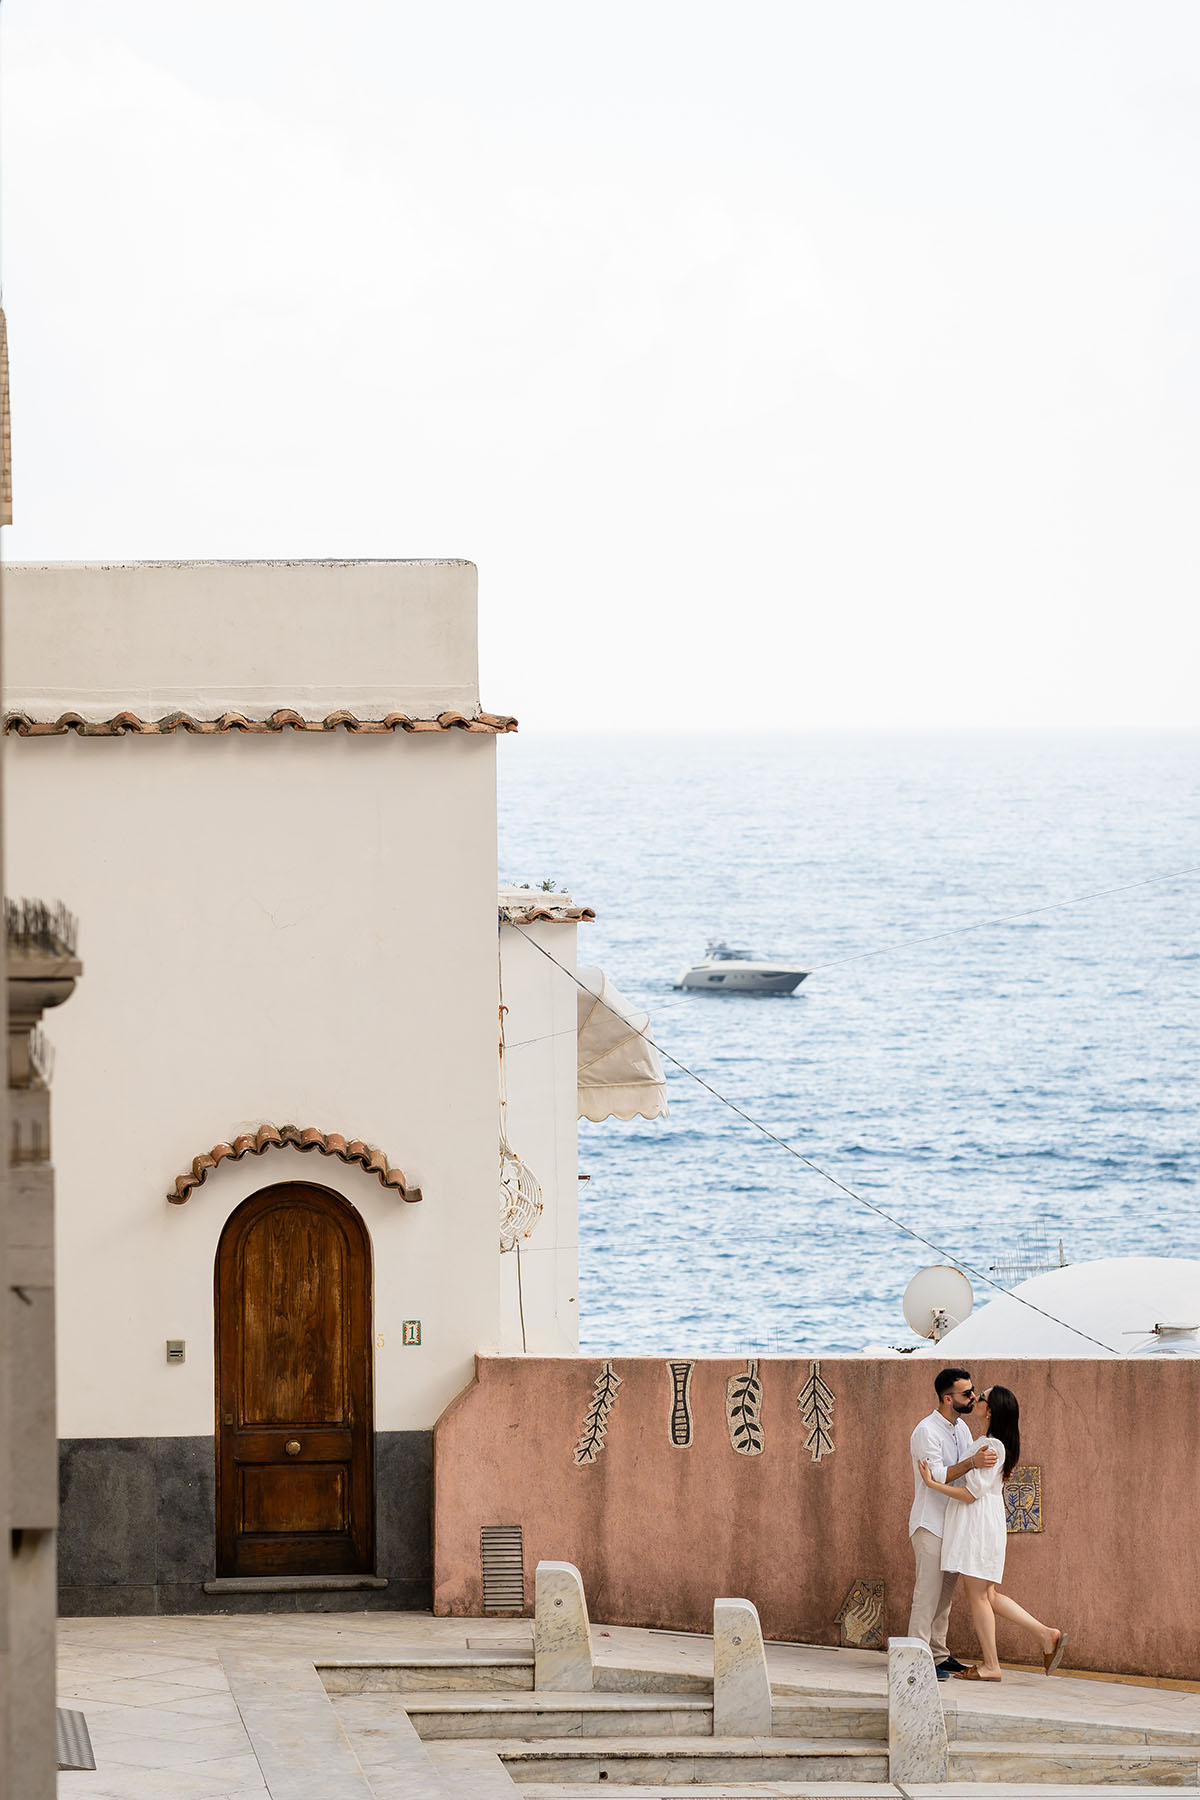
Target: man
pixel 943 1441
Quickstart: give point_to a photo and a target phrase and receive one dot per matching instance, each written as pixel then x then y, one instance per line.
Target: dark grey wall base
pixel 131 1602
pixel 137 1530
pixel 295 1584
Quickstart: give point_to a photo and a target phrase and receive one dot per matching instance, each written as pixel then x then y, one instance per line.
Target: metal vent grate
pixel 502 1553
pixel 74 1743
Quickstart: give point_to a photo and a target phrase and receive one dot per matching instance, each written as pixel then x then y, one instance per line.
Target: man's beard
pixel 969 1407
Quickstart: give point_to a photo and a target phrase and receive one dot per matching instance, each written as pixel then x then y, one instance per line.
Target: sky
pixel 781 365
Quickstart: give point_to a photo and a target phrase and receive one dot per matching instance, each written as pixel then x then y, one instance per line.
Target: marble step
pixel 776 1790
pixel 551 1715
pixel 479 1671
pixel 616 1678
pixel 458 1715
pixel 737 1790
pixel 687 1762
pixel 1095 1764
pixel 716 1764
pixel 807 1790
pixel 991 1727
pixel 472 1671
pixel 832 1716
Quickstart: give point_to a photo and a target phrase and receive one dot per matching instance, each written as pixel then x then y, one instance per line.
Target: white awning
pixel 620 1074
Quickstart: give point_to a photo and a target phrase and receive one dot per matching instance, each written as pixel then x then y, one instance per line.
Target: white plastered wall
pixel 541 1063
pixel 210 637
pixel 297 929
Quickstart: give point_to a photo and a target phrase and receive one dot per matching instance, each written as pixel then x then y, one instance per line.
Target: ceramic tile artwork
pixel 681 1404
pixel 1023 1498
pixel 743 1411
pixel 816 1402
pixel 595 1422
pixel 861 1616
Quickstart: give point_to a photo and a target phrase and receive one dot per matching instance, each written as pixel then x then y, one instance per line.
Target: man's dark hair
pixel 946 1379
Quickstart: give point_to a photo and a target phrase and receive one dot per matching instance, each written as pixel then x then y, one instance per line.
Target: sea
pixel 998 1045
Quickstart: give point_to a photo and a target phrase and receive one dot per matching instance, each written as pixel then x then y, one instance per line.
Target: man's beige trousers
pixel 932 1593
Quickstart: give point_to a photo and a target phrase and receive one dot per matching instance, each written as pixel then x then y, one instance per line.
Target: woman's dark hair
pixel 1005 1425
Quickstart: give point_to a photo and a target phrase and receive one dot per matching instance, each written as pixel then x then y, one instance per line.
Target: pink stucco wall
pixel 658 1531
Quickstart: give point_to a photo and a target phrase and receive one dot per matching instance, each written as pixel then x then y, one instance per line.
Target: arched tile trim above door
pixel 278 1137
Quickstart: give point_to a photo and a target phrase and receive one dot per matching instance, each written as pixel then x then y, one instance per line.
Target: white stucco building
pixel 267 790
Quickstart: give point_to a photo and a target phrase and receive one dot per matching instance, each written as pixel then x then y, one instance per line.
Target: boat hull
pixel 741 981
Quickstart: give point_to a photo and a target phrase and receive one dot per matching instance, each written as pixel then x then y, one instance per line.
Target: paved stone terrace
pixel 165 1726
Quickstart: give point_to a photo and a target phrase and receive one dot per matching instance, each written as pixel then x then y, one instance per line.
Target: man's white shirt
pixel 940 1444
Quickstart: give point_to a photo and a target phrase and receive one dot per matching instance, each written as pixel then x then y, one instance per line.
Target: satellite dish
pixel 936 1300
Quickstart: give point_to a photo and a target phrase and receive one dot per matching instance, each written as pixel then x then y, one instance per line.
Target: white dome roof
pixel 1117 1300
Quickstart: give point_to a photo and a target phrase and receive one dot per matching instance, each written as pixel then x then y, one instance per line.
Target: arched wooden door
pixel 295 1475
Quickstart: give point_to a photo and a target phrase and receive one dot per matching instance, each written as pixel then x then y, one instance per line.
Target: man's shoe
pixel 942 1672
pixel 952 1664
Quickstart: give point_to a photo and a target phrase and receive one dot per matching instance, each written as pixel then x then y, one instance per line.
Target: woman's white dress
pixel 975 1537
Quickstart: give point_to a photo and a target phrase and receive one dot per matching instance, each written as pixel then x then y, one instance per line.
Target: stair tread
pixel 724 1790
pixel 445 1659
pixel 749 1749
pixel 539 1700
pixel 1071 1747
pixel 867 1790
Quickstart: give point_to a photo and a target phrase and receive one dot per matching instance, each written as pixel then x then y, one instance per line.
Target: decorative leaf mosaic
pixel 861 1616
pixel 681 1404
pixel 1023 1498
pixel 743 1411
pixel 595 1424
pixel 816 1402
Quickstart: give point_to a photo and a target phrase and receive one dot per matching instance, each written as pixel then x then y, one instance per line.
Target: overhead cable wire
pixel 808 1162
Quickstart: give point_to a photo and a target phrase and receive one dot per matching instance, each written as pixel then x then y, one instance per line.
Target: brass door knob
pixel 292 1446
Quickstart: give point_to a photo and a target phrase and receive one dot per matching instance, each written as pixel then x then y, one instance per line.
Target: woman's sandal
pixel 972 1674
pixel 1052 1658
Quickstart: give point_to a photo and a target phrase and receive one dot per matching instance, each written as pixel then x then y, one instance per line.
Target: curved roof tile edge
pixel 283 719
pixel 546 915
pixel 278 1137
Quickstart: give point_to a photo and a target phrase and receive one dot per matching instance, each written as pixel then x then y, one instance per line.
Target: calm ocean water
pixel 1039 1074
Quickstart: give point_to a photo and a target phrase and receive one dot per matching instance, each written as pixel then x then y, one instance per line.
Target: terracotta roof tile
pixel 272 1137
pixel 284 719
pixel 547 914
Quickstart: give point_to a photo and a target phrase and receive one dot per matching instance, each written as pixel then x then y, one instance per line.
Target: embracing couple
pixel 958 1525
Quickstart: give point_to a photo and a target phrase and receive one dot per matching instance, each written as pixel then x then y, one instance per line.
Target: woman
pixel 976 1535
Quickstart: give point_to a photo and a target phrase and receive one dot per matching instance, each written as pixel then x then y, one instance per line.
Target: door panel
pixel 295 1477
pixel 293 1294
pixel 312 1499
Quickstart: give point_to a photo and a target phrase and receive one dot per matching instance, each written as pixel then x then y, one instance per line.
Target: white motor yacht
pixel 725 969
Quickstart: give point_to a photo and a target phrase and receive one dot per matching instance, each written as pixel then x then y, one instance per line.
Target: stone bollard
pixel 918 1749
pixel 741 1688
pixel 562 1643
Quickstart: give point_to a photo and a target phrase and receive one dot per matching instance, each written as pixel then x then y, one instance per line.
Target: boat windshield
pixel 726 953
